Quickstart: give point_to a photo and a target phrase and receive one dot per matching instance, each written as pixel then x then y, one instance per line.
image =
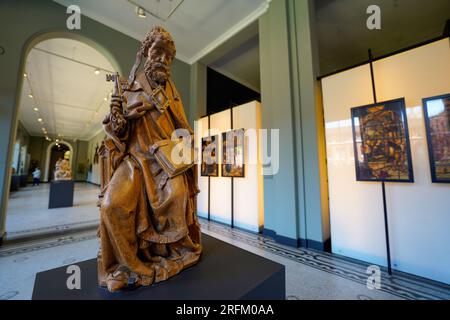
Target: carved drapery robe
pixel 148 223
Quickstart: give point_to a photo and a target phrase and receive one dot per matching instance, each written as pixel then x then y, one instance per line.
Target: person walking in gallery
pixel 36 176
pixel 148 230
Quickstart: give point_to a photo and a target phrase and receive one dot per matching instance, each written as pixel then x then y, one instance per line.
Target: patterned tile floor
pixel 309 274
pixel 317 275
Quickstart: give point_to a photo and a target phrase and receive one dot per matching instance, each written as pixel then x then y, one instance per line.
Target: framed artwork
pixel 437 124
pixel 381 142
pixel 209 166
pixel 233 153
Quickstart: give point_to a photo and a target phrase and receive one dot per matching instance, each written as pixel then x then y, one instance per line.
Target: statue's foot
pixel 115 285
pixel 117 281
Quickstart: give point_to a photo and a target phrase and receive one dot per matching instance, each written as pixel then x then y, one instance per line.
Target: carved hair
pixel 155 33
pixel 150 38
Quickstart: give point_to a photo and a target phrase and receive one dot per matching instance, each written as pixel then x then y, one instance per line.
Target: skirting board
pixel 299 243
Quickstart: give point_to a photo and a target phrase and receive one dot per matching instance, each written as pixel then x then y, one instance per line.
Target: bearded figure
pixel 148 228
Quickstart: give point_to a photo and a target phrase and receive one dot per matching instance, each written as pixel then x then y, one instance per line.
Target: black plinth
pixel 224 272
pixel 15 183
pixel 61 194
pixel 23 180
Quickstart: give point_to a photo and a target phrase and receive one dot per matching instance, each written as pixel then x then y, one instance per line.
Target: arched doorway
pixel 55 152
pixel 62 96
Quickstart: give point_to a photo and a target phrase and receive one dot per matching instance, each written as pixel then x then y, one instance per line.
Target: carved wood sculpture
pixel 62 170
pixel 148 228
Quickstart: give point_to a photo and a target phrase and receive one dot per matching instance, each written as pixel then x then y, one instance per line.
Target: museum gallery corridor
pixel 309 274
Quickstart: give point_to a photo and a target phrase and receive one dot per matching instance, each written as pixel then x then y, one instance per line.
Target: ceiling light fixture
pixel 105 98
pixel 40 119
pixel 30 95
pixel 160 9
pixel 25 75
pixel 36 109
pixel 97 72
pixel 141 12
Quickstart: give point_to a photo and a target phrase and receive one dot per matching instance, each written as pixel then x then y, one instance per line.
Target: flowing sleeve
pixel 179 110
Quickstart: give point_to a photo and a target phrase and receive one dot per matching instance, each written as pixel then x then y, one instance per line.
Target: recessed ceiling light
pixel 40 120
pixel 141 12
pixel 96 113
pixel 105 98
pixel 30 95
pixel 97 72
pixel 25 75
pixel 36 109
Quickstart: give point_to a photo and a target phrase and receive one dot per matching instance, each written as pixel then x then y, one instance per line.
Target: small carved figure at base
pixel 62 170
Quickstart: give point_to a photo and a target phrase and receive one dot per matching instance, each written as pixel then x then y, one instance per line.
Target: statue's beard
pixel 156 71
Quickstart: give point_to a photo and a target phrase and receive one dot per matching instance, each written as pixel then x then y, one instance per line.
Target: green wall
pixel 24 23
pixel 80 163
pixel 198 93
pixel 280 190
pixel 295 199
pixel 94 174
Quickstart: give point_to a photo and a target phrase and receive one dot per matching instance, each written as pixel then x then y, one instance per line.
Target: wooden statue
pixel 149 229
pixel 62 170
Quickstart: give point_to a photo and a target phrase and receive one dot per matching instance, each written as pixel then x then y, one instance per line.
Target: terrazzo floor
pixel 309 274
pixel 28 211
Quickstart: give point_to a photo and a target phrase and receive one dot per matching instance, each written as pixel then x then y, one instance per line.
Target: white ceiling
pixel 60 72
pixel 198 26
pixel 69 95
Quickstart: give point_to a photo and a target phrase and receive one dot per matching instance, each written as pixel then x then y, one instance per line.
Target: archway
pixel 51 160
pixel 44 158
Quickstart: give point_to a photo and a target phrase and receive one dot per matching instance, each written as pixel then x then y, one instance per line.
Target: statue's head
pixel 159 49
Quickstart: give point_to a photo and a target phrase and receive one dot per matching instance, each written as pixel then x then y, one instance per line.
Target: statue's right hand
pixel 116 102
